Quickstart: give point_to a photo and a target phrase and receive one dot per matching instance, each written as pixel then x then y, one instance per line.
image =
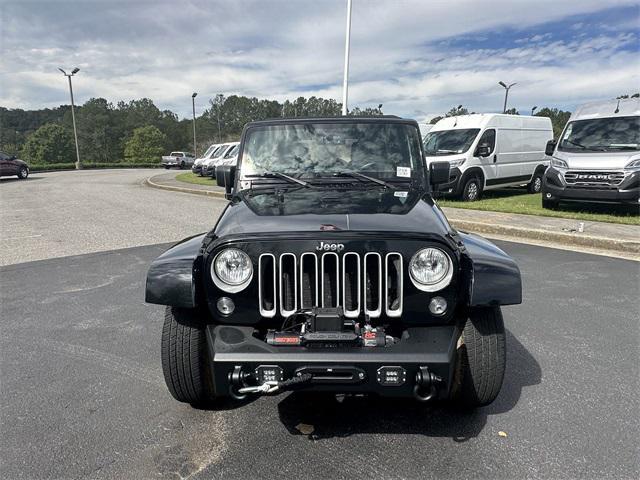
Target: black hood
pixel 316 210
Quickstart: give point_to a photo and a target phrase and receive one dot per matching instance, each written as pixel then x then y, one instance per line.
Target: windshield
pixel 448 142
pixel 233 152
pixel 209 150
pixel 602 135
pixel 175 154
pixel 389 150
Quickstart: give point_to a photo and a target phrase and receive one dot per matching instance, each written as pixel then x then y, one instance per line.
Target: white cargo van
pixel 489 151
pixel 597 158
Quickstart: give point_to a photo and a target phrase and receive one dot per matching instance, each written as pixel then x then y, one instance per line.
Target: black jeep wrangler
pixel 332 269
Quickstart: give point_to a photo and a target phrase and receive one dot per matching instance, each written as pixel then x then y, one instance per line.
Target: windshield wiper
pixel 281 176
pixel 593 149
pixel 362 176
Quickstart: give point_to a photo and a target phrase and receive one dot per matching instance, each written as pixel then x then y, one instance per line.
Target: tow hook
pixel 426 381
pixel 237 381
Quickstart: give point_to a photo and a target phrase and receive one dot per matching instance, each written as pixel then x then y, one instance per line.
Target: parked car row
pixel 597 158
pixel 217 154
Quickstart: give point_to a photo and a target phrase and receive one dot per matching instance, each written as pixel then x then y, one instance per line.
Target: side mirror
pixel 439 173
pixel 226 177
pixel 550 148
pixel 483 150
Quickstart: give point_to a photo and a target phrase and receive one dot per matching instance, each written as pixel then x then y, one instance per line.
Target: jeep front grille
pixel 593 179
pixel 369 283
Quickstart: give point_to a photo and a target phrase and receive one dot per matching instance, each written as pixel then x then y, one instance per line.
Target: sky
pixel 417 58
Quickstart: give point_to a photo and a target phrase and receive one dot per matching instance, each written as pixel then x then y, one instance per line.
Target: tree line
pixel 138 131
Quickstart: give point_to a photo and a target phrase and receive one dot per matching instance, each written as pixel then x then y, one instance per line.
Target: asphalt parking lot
pixel 83 394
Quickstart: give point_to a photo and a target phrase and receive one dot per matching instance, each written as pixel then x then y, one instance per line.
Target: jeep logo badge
pixel 334 247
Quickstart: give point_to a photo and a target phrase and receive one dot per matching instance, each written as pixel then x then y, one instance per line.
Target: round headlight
pixel 431 269
pixel 231 270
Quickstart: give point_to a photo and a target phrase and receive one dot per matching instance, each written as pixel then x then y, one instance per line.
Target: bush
pixel 145 145
pixel 50 144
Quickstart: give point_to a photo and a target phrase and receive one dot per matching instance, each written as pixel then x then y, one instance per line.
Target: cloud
pixel 412 56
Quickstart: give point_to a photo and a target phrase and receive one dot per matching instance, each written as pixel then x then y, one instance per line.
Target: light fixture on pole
pixel 345 81
pixel 506 94
pixel 73 114
pixel 193 105
pixel 533 109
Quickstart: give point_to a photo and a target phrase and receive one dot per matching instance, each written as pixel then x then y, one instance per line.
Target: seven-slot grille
pixel 371 283
pixel 596 179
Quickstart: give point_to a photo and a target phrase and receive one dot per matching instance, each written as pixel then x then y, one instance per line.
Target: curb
pixel 208 193
pixel 545 235
pixel 569 239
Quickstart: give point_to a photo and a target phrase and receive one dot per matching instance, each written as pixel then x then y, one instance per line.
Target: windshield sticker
pixel 403 172
pixel 568 132
pixel 400 194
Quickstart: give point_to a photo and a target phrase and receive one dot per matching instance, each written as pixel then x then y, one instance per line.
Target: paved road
pixel 67 213
pixel 82 394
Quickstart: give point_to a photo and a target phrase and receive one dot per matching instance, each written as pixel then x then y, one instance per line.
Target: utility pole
pixel 506 94
pixel 193 104
pixel 345 81
pixel 73 114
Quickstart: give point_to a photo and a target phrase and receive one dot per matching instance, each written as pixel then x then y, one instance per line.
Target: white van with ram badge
pixel 598 156
pixel 487 151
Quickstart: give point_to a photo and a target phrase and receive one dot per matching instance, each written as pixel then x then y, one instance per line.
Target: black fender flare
pixel 172 278
pixel 494 277
pixel 471 172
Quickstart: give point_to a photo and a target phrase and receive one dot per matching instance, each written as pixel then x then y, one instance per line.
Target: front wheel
pixel 471 190
pixel 185 362
pixel 23 173
pixel 535 185
pixel 481 359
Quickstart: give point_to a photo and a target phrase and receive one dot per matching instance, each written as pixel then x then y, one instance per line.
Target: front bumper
pixel 452 187
pixel 196 168
pixel 554 188
pixel 235 348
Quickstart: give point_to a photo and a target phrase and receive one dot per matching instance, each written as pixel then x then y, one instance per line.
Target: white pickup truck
pixel 178 159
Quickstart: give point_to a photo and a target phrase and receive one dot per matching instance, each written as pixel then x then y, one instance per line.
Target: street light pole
pixel 533 109
pixel 73 115
pixel 193 104
pixel 506 94
pixel 345 81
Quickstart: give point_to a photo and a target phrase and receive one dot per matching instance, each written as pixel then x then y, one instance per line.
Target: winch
pixel 327 327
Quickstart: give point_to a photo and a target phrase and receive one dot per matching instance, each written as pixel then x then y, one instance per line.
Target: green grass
pixel 189 177
pixel 518 201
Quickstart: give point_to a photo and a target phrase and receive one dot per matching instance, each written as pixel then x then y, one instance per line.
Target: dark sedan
pixel 10 165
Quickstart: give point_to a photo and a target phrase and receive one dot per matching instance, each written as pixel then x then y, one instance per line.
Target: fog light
pixel 548 195
pixel 438 306
pixel 225 305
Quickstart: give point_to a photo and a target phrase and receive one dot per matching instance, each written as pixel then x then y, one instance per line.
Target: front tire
pixel 471 190
pixel 535 185
pixel 23 173
pixel 185 361
pixel 481 359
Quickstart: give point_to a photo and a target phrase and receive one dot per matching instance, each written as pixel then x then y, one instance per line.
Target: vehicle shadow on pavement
pixel 16 179
pixel 321 416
